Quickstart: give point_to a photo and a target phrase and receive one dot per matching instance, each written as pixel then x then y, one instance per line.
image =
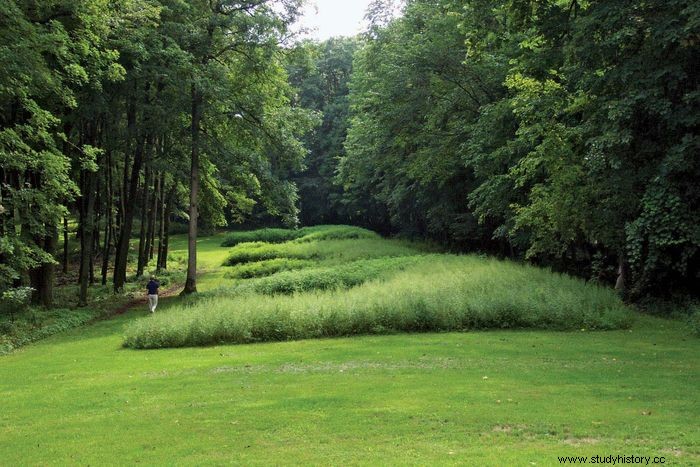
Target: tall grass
pixel 349 249
pixel 339 276
pixel 265 268
pixel 315 233
pixel 447 293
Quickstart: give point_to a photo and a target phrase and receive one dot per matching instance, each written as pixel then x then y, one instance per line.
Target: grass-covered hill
pixel 332 281
pixel 521 396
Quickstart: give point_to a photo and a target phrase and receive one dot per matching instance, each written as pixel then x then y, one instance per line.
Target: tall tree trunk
pixel 621 283
pixel 108 223
pixel 125 233
pixel 152 216
pixel 132 144
pixel 95 245
pixel 166 208
pixel 145 203
pixel 65 244
pixel 191 283
pixel 166 239
pixel 81 221
pixel 87 228
pixel 42 278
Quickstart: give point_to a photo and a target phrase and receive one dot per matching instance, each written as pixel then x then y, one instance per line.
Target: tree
pixel 321 73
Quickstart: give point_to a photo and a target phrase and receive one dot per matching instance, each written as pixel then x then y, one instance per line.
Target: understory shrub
pixel 37 324
pixel 694 321
pixel 446 293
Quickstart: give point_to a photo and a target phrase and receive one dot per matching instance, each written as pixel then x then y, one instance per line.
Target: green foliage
pixel 338 250
pixel 341 276
pixel 529 129
pixel 321 73
pixel 265 268
pixel 305 234
pixel 694 321
pixel 340 232
pixel 262 235
pixel 448 293
pixel 14 301
pixel 40 324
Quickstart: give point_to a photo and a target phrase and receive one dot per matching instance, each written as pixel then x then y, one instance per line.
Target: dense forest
pixel 135 110
pixel 562 132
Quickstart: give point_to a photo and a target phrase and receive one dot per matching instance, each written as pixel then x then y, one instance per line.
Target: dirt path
pixel 171 292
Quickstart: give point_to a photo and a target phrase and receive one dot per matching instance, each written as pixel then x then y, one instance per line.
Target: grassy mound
pixel 446 293
pixel 322 278
pixel 340 250
pixel 315 233
pixel 337 232
pixel 265 268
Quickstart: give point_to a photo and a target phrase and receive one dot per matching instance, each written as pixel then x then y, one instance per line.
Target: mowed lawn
pixel 478 398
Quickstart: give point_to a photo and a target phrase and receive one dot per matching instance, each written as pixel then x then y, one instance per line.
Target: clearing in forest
pixel 553 385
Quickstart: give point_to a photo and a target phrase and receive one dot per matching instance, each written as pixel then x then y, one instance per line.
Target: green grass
pixel 481 398
pixel 340 276
pixel 436 293
pixel 265 268
pixel 492 397
pixel 37 323
pixel 315 233
pixel 338 250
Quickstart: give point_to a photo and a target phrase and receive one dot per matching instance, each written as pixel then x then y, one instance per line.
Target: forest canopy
pixel 562 132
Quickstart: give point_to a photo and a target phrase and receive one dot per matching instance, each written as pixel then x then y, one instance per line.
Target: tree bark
pixel 191 282
pixel 621 283
pixel 166 208
pixel 108 223
pixel 166 240
pixel 87 228
pixel 152 216
pixel 65 244
pixel 42 278
pixel 145 203
pixel 124 235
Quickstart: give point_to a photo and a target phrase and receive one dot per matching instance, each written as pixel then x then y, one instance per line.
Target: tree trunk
pixel 125 233
pixel 145 203
pixel 81 220
pixel 121 247
pixel 42 278
pixel 65 244
pixel 108 223
pixel 166 208
pixel 87 228
pixel 191 283
pixel 166 240
pixel 621 283
pixel 153 215
pixel 95 245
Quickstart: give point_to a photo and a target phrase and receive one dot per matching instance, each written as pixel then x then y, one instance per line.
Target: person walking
pixel 152 287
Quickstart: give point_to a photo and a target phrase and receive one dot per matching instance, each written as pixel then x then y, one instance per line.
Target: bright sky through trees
pixel 328 18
